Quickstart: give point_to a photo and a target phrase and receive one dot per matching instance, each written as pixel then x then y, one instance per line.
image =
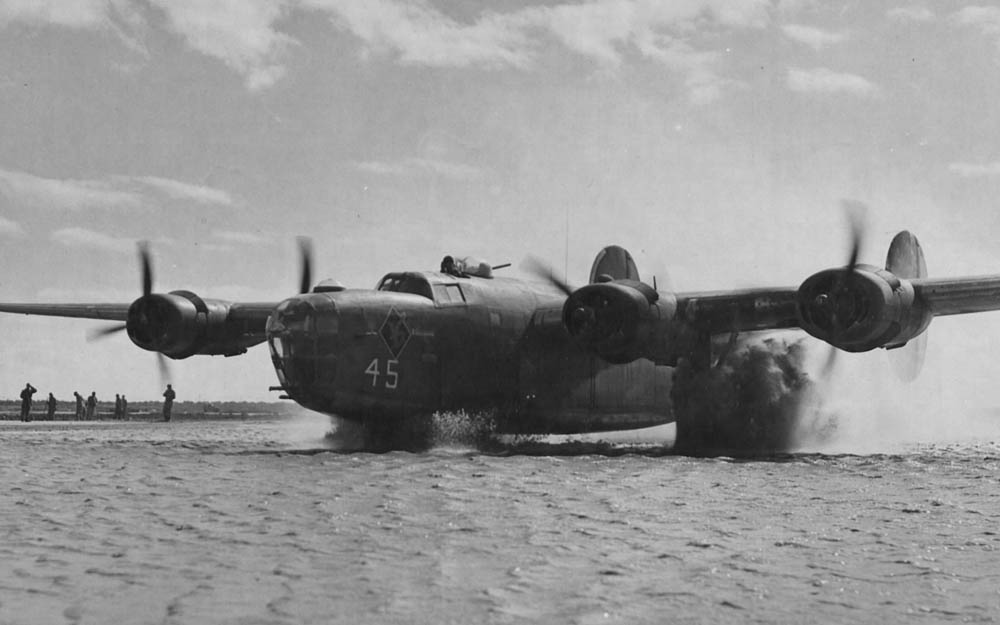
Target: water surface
pixel 262 521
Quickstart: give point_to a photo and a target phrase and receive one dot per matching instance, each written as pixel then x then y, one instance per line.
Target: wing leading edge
pixel 107 312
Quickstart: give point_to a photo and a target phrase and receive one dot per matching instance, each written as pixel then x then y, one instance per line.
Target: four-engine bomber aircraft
pixel 540 356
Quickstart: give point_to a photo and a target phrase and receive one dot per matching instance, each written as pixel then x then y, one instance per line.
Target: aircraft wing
pixel 775 308
pixel 958 296
pixel 108 312
pixel 177 324
pixel 742 310
pixel 254 313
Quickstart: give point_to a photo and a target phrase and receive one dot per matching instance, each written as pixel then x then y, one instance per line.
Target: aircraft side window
pixel 448 294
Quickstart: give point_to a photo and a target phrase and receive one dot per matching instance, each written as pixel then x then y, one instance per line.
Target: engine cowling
pixel 615 320
pixel 859 309
pixel 181 324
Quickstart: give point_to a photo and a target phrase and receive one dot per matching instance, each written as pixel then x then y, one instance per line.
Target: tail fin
pixel 613 263
pixel 906 260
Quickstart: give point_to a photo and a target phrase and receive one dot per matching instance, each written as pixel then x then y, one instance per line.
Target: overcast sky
pixel 713 138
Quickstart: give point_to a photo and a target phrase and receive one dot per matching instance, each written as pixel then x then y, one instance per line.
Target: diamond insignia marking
pixel 394 332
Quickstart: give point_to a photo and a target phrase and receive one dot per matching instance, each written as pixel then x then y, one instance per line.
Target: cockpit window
pixel 404 283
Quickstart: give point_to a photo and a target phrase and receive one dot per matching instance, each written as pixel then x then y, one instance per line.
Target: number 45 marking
pixel 374 369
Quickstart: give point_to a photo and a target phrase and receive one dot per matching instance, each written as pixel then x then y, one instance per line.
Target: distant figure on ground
pixel 168 402
pixel 26 394
pixel 118 406
pixel 52 407
pixel 92 406
pixel 124 408
pixel 79 406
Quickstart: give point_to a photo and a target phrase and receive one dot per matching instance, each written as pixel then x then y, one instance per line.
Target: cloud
pixel 910 14
pixel 186 192
pixel 420 166
pixel 975 170
pixel 81 238
pixel 823 80
pixel 115 192
pixel 76 14
pixel 10 228
pixel 120 17
pixel 240 33
pixel 246 238
pixel 815 38
pixel 418 34
pixel 38 192
pixel 245 35
pixel 605 31
pixel 986 19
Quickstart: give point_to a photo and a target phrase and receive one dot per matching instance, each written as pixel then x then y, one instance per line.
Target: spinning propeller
pixel 837 304
pixel 858 308
pixel 538 268
pixel 146 274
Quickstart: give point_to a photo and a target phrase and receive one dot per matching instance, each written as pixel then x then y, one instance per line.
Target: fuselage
pixel 426 342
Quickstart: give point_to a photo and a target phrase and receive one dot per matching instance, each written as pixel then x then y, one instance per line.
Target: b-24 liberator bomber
pixel 540 356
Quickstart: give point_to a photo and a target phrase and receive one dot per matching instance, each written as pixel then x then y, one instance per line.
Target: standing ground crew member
pixel 52 407
pixel 79 406
pixel 26 394
pixel 92 405
pixel 168 402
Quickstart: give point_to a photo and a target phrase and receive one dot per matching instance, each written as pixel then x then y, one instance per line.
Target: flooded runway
pixel 260 521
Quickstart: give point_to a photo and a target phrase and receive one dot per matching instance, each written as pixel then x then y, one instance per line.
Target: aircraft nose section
pixel 300 334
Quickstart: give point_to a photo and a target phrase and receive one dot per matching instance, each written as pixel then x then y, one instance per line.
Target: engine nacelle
pixel 859 310
pixel 614 320
pixel 181 324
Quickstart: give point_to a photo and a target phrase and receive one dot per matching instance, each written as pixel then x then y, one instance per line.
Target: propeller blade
pixel 164 368
pixel 305 254
pixel 101 333
pixel 539 269
pixel 147 268
pixel 856 212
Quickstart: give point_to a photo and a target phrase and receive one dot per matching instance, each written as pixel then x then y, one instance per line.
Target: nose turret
pixel 299 334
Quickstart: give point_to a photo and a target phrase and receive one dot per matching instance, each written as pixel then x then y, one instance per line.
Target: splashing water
pixel 759 400
pixel 463 429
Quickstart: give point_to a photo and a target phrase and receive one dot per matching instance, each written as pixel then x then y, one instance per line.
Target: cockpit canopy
pixel 406 283
pixel 436 287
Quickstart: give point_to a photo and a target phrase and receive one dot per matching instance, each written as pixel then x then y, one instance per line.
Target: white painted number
pixel 374 369
pixel 390 372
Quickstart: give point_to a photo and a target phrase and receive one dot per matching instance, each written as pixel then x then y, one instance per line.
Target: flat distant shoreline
pixel 10 410
pixel 145 416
